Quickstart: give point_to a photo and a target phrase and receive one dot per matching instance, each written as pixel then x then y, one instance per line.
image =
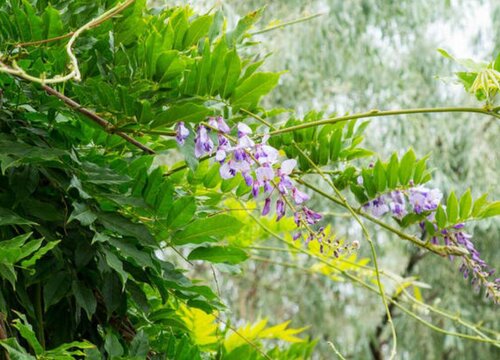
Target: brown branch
pixel 44 41
pixel 3 333
pixel 106 125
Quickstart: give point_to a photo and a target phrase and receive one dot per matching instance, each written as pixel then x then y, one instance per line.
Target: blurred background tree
pixel 361 55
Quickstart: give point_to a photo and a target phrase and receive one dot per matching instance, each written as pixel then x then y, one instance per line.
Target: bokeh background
pixel 361 55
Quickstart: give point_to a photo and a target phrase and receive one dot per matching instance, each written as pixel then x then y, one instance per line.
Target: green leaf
pixel 139 347
pixel 406 167
pixel 392 172
pixel 202 230
pixel 83 214
pixel 492 209
pixel 441 218
pixel 243 26
pixel 379 176
pixel 197 29
pixel 188 112
pixel 479 205
pixel 452 208
pixel 56 287
pixel 53 23
pixel 84 297
pixel 112 346
pixel 219 254
pixel 232 73
pixel 116 264
pixel 368 183
pixel 8 217
pixel 181 212
pixel 39 254
pixel 26 331
pixel 15 351
pixel 419 174
pixel 465 204
pixel 248 93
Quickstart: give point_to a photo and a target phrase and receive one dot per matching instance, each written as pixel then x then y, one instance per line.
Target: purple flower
pixel 267 206
pixel 220 155
pixel 397 204
pixel 226 171
pixel 264 173
pixel 240 154
pixel 255 190
pixel 297 217
pixel 377 207
pixel 245 142
pixel 203 143
pixel 280 209
pixel 267 155
pixel 296 235
pixel 298 196
pixel 284 184
pixel 423 199
pixel 213 123
pixel 223 142
pixel 243 130
pixel 311 216
pixel 248 178
pixel 182 133
pixel 223 127
pixel 287 167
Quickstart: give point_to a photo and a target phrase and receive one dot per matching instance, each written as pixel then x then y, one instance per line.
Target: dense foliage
pixel 100 204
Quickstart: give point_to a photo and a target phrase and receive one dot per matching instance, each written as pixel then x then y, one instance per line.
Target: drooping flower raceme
pixel 423 201
pixel 260 166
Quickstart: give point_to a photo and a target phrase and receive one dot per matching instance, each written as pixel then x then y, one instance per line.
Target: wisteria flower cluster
pixel 262 168
pixel 421 200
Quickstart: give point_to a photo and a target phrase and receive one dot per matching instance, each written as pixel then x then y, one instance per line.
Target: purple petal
pixel 287 166
pixel 267 207
pixel 299 197
pixel 280 209
pixel 182 133
pixel 222 125
pixel 243 130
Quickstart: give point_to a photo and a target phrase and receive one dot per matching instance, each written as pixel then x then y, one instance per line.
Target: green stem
pixel 288 23
pixel 39 314
pixel 379 113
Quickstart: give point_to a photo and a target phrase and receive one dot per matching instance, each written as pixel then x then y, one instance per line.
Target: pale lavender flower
pixel 182 133
pixel 220 155
pixel 298 196
pixel 223 127
pixel 377 207
pixel 213 123
pixel 243 130
pixel 264 173
pixel 203 143
pixel 397 204
pixel 226 171
pixel 423 199
pixel 287 167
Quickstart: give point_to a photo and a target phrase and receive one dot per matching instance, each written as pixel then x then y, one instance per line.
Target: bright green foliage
pixel 395 174
pixel 327 144
pixel 91 225
pixel 83 213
